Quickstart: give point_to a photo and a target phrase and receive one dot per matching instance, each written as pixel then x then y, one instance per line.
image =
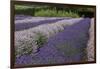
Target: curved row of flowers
pixel 29 41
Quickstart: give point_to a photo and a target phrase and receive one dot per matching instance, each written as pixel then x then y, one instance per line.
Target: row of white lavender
pixel 29 41
pixel 90 44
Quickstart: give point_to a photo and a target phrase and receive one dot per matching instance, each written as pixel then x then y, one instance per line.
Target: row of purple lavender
pixel 65 47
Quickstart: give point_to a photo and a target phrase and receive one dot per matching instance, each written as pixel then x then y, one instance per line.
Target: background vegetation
pixel 51 11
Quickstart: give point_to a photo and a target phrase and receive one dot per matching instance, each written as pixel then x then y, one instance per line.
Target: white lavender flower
pixel 25 43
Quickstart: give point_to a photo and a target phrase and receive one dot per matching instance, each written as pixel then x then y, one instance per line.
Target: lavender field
pixel 51 40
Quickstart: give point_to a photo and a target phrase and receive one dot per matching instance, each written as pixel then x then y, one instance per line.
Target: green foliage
pixel 51 13
pixel 26 10
pixel 68 14
pixel 48 11
pixel 22 7
pixel 40 40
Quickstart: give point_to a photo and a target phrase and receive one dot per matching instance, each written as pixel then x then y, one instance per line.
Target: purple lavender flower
pixel 64 47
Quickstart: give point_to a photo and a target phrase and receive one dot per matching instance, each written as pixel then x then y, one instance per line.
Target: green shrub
pixel 40 40
pixel 47 11
pixel 55 13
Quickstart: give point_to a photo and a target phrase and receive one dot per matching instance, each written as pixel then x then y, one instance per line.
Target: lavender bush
pixel 33 38
pixel 52 43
